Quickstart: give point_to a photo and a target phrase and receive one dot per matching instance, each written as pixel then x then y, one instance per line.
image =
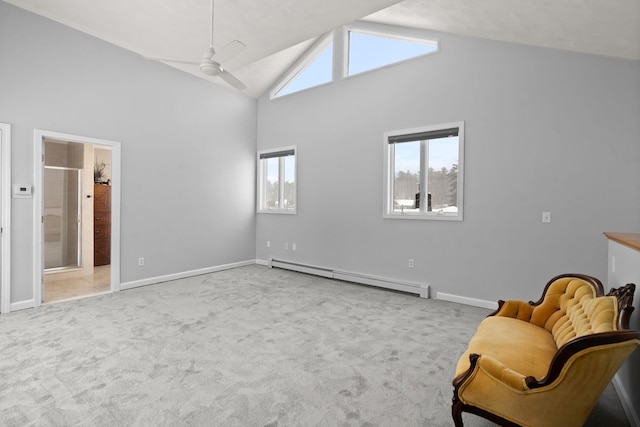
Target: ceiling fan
pixel 211 67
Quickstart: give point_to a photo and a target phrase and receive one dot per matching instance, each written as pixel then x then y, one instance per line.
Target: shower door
pixel 62 218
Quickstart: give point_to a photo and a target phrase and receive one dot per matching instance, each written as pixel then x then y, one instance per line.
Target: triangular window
pixel 356 48
pixel 317 71
pixel 367 51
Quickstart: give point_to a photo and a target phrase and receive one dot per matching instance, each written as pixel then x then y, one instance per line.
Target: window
pixel 369 51
pixel 277 180
pixel 315 73
pixel 353 49
pixel 423 172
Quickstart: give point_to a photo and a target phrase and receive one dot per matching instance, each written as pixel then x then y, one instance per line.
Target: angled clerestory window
pixel 368 51
pixel 353 49
pixel 314 68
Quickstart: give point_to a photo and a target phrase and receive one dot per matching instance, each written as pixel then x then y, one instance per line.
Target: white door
pixel 5 209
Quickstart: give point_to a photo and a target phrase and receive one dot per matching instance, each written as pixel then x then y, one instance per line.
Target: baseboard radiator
pixel 382 282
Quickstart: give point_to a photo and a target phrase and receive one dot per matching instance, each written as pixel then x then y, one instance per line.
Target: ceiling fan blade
pixel 210 66
pixel 232 80
pixel 229 51
pixel 178 61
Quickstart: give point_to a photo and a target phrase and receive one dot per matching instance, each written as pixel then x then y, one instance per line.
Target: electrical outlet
pixel 140 262
pixel 286 246
pixel 546 217
pixel 293 246
pixel 411 263
pixel 268 243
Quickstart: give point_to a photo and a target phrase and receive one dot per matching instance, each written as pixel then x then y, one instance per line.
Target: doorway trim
pixel 38 205
pixel 5 159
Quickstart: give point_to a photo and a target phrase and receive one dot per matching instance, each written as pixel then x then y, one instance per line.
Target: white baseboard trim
pixel 467 301
pixel 184 274
pixel 22 305
pixel 629 410
pixel 348 276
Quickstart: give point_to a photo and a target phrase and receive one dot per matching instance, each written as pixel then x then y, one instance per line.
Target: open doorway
pixel 78 207
pixel 77 219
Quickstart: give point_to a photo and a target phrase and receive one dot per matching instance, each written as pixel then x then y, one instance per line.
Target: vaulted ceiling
pixel 277 32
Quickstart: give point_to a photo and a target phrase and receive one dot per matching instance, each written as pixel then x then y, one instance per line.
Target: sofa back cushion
pixel 571 309
pixel 589 316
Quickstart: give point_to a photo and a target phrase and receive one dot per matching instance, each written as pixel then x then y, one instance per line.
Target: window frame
pixel 340 62
pixel 407 34
pixel 389 175
pixel 317 48
pixel 261 175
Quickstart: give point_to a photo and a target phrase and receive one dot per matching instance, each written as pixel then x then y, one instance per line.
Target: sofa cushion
pixel 561 295
pixel 519 345
pixel 588 316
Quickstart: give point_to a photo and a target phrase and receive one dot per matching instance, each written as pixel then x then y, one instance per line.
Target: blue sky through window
pixel 443 152
pixel 317 72
pixel 367 52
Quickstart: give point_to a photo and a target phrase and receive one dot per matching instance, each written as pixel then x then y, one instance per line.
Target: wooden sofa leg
pixel 456 412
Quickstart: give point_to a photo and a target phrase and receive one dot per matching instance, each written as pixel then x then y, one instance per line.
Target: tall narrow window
pixel 277 180
pixel 423 172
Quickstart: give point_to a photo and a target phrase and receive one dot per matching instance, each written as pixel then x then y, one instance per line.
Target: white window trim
pixel 340 40
pixel 413 35
pixel 388 177
pixel 262 178
pixel 316 49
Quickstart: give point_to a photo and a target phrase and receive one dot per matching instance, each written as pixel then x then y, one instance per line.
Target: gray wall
pixel 188 146
pixel 545 131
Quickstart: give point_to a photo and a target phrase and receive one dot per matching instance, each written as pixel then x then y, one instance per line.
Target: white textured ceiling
pixel 276 32
pixel 602 27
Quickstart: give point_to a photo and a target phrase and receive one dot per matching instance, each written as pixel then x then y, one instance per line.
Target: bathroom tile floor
pixel 61 286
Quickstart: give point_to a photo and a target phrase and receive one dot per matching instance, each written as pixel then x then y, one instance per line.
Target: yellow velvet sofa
pixel 545 363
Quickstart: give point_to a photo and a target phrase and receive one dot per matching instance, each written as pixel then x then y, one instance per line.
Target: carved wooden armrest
pixel 575 346
pixel 624 294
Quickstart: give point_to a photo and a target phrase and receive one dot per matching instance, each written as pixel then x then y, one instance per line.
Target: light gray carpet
pixel 245 347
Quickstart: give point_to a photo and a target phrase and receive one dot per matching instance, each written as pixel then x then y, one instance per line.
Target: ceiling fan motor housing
pixel 210 67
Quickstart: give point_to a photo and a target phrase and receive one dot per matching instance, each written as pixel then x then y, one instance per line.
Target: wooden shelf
pixel 631 240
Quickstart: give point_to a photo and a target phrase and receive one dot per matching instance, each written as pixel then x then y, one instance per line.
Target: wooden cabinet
pixel 101 225
pixel 623 268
